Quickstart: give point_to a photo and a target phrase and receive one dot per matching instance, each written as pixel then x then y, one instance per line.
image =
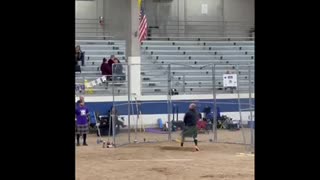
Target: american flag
pixel 143 26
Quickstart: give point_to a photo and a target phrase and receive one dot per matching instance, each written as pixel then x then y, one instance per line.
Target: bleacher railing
pixel 208 30
pixel 202 29
pixel 160 79
pixel 91 28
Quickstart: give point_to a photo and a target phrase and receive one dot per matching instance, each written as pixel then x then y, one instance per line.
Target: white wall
pixel 193 10
pixel 116 12
pixel 229 10
pixel 86 9
pixel 164 97
pixel 239 10
pixel 168 15
pixel 87 15
pixel 161 12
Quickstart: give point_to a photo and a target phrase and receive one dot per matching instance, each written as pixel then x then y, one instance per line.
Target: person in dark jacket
pixel 118 70
pixel 79 55
pixel 110 62
pixel 106 69
pixel 117 67
pixel 114 111
pixel 190 130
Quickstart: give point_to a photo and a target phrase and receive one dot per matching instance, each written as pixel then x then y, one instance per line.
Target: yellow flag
pixel 139 3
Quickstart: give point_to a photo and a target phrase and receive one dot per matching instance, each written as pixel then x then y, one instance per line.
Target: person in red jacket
pixel 105 68
pixel 112 60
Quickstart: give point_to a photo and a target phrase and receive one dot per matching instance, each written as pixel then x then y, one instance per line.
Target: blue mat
pixel 156 131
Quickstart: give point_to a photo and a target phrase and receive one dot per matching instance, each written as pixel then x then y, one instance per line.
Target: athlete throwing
pixel 190 122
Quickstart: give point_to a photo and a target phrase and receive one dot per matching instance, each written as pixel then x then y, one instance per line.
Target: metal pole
pixel 177 110
pixel 113 116
pixel 184 84
pixel 137 109
pixel 84 89
pixel 214 124
pixel 173 111
pixel 239 103
pixel 109 130
pixel 114 127
pixel 98 24
pixel 129 101
pixel 169 102
pixel 250 104
pixel 178 20
pixel 223 19
pixel 135 129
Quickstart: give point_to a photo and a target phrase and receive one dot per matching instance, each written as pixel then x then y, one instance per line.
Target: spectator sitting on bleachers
pixel 79 55
pixel 105 69
pixel 117 70
pixel 111 60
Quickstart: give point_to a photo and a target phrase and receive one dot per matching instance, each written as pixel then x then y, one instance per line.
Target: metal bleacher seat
pixel 204 43
pixel 187 57
pixel 195 47
pixel 199 57
pixel 198 52
pixel 102 47
pixel 104 52
pixel 100 42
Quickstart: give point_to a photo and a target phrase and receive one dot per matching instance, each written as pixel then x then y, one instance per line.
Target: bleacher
pixel 189 61
pixel 96 48
pixel 189 48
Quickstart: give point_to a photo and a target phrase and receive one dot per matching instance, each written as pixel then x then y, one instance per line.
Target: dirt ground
pixel 164 161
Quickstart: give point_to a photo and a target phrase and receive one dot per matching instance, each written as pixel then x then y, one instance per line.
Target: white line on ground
pixel 152 160
pixel 244 154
